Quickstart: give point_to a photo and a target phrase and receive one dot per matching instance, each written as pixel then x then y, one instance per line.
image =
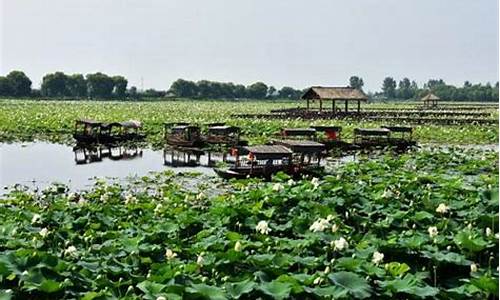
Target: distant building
pixel 430 100
pixel 334 94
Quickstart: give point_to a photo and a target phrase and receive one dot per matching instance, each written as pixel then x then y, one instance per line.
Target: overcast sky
pixel 279 42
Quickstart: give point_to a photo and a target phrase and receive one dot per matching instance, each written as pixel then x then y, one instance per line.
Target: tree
pixel 99 85
pixel 54 85
pixel 433 83
pixel 76 86
pixel 184 88
pixel 287 92
pixel 389 87
pixel 20 84
pixel 120 86
pixel 404 90
pixel 356 82
pixel 257 90
pixel 271 92
pixel 5 86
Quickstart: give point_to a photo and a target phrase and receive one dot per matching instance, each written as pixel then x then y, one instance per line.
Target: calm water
pixel 40 164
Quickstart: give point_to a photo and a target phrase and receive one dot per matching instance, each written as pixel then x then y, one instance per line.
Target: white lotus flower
pixel 237 246
pixel 200 260
pixel 387 194
pixel 330 217
pixel 169 254
pixel 71 250
pixel 318 281
pixel 327 270
pixel 200 196
pixel 262 227
pixel 319 225
pixel 44 232
pixel 291 182
pixel 377 257
pixel 104 197
pixel 488 231
pixel 277 187
pixel 158 208
pixel 82 201
pixel 161 298
pixel 130 199
pixel 315 182
pixel 469 226
pixel 335 227
pixel 340 244
pixel 36 218
pixel 473 268
pixel 442 208
pixel 433 231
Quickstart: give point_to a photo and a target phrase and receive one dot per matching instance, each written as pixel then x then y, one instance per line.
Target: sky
pixel 280 42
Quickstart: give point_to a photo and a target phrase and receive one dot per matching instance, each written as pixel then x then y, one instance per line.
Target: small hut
pixel 430 100
pixel 346 94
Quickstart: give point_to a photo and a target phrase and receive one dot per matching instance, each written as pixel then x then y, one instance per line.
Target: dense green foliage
pixel 102 86
pixel 54 120
pixel 407 89
pixel 420 225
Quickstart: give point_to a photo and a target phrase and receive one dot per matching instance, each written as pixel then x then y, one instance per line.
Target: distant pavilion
pixel 346 94
pixel 430 100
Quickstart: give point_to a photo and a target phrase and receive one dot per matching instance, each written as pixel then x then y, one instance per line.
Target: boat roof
pixel 298 131
pixel 372 131
pixel 399 128
pixel 223 128
pixel 268 151
pixel 301 146
pixel 89 122
pixel 182 127
pixel 131 124
pixel 327 128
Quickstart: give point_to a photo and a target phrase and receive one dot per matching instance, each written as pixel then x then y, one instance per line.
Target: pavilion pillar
pixel 359 106
pixel 333 107
pixel 346 107
pixel 307 104
pixel 320 105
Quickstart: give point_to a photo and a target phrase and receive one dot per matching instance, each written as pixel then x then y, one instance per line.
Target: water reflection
pixel 194 157
pixel 86 154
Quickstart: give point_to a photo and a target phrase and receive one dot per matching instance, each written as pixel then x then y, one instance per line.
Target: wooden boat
pixel 306 157
pixel 298 133
pixel 224 135
pixel 401 137
pixel 120 132
pixel 332 137
pixel 91 131
pixel 258 161
pixel 397 137
pixel 87 131
pixel 183 134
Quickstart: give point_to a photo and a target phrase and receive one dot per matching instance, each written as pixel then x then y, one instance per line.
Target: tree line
pixel 102 86
pixel 406 89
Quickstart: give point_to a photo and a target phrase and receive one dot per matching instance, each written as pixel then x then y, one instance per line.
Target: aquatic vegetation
pixel 54 120
pixel 423 224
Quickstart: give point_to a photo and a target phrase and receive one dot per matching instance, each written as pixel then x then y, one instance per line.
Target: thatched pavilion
pixel 430 100
pixel 346 94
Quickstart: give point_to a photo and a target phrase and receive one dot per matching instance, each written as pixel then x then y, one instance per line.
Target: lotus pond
pixel 22 120
pixel 423 224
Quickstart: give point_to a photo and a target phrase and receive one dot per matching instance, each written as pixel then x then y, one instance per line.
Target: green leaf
pixel 333 291
pixel 236 289
pixel 487 284
pixel 451 257
pixel 397 269
pixel 276 289
pixel 410 285
pixel 151 288
pixel 465 241
pixel 4 295
pixel 208 291
pixel 353 283
pixel 49 286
